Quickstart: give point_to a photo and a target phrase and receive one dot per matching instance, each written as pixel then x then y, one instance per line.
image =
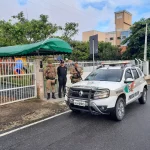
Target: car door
pixel 129 90
pixel 137 83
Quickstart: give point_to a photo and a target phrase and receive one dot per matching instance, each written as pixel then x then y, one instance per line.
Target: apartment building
pixel 123 22
pixel 86 35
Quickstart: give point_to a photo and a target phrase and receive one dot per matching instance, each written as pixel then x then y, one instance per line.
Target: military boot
pixel 53 96
pixel 48 96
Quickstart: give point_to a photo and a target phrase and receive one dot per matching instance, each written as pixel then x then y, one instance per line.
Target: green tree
pixel 135 47
pixel 69 31
pixel 25 31
pixel 80 50
pixel 106 51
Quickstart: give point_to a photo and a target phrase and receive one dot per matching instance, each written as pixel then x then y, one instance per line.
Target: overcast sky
pixel 90 14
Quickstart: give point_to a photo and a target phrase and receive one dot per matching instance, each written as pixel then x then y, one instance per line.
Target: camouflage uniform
pixel 50 75
pixel 74 74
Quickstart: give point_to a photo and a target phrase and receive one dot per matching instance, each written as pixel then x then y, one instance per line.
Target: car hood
pixel 98 84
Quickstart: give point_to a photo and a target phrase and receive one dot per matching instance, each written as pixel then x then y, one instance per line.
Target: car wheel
pixel 119 110
pixel 143 98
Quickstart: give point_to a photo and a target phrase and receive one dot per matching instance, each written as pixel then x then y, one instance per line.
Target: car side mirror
pixel 128 80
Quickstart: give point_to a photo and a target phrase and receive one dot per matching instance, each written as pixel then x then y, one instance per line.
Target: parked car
pixel 108 90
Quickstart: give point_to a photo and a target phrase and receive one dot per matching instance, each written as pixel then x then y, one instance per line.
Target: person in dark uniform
pixel 62 78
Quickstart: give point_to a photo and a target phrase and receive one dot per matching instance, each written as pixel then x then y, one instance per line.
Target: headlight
pixel 100 94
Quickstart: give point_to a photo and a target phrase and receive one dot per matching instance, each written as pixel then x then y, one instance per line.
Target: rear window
pixel 140 72
pixel 136 75
pixel 114 75
pixel 128 74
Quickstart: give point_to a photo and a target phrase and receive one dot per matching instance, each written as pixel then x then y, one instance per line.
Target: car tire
pixel 143 98
pixel 119 111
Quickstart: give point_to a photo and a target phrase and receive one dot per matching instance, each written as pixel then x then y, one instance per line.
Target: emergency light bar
pixel 122 64
pixel 116 63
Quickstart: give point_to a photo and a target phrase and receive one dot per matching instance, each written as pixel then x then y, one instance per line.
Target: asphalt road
pixel 86 132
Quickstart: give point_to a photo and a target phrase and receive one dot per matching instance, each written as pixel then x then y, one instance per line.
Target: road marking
pixel 32 124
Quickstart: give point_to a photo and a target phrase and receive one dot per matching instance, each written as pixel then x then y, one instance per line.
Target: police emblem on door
pixel 81 93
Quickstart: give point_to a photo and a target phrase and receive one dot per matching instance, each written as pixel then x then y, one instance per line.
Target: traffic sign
pixel 94 44
pixel 93 47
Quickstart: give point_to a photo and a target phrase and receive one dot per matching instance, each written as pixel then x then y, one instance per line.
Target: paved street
pixel 86 132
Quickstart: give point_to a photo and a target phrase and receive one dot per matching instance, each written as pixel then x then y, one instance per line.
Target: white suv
pixel 108 90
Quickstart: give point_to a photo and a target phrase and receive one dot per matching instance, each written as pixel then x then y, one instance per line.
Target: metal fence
pixel 17 81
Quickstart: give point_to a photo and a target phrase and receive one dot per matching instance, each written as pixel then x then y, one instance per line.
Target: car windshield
pixel 113 75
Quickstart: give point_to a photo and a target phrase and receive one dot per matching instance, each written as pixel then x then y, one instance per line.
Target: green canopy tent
pixel 48 47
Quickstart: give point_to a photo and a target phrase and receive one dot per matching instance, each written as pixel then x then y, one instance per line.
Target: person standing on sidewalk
pixel 76 73
pixel 50 75
pixel 62 78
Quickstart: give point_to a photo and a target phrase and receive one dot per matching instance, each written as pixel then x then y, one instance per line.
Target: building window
pixel 123 37
pixel 118 38
pixel 119 16
pixel 111 38
pixel 119 29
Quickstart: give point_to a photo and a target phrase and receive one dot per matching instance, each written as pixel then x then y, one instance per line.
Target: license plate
pixel 79 103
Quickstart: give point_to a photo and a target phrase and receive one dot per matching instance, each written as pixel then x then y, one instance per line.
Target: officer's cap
pixel 62 62
pixel 50 62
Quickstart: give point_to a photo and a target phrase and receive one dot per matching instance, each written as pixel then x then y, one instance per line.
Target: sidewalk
pixel 25 112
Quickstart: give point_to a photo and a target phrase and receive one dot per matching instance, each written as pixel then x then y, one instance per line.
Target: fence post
pixel 39 79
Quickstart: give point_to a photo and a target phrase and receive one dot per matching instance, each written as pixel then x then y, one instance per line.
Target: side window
pixel 136 75
pixel 128 74
pixel 140 72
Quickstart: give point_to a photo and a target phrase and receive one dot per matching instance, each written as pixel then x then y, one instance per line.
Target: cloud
pixel 90 14
pixel 22 2
pixel 96 5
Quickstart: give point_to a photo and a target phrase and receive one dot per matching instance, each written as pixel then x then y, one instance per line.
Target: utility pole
pixel 145 47
pixel 27 13
pixel 93 55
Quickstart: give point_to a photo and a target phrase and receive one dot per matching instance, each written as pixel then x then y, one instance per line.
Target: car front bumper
pixel 101 106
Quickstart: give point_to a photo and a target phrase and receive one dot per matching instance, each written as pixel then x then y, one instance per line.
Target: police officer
pixel 76 73
pixel 62 78
pixel 50 75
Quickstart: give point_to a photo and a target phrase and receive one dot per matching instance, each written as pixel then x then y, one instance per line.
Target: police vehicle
pixel 108 90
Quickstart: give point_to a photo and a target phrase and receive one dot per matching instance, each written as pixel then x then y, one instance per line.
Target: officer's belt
pixel 50 78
